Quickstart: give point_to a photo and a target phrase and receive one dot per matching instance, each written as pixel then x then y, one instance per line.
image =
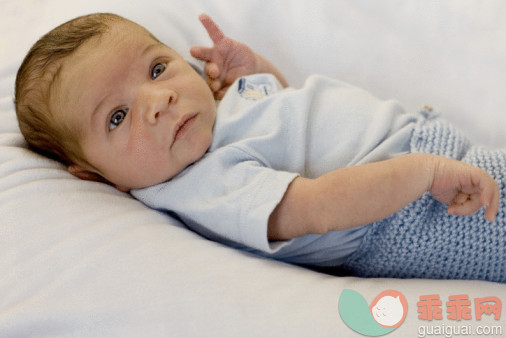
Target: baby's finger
pixel 212 28
pixel 215 86
pixel 201 53
pixel 490 213
pixel 212 70
pixel 490 198
pixel 461 198
pixel 220 94
pixel 466 208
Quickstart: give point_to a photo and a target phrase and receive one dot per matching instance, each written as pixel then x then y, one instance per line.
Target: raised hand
pixel 226 61
pixel 464 188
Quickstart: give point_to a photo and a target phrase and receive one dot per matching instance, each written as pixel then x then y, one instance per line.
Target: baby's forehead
pixel 103 58
pixel 122 36
pixel 127 30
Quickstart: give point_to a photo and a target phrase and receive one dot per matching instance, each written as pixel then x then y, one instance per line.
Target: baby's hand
pixel 464 188
pixel 226 61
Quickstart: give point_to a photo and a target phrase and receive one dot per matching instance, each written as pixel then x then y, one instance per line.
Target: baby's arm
pixel 359 195
pixel 228 60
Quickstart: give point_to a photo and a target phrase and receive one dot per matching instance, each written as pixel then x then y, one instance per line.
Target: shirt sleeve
pixel 227 196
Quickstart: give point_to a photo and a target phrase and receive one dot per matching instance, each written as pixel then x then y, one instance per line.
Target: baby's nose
pixel 158 103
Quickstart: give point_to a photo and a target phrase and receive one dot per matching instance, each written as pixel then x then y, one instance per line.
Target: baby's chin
pixel 127 186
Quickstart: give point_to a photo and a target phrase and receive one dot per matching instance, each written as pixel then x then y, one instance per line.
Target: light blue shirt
pixel 264 137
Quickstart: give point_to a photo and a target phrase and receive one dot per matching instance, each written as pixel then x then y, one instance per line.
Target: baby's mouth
pixel 183 126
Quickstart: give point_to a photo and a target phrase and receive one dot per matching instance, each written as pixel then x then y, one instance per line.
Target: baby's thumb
pixel 490 199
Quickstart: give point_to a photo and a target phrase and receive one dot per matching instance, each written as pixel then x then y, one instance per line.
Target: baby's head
pixel 106 98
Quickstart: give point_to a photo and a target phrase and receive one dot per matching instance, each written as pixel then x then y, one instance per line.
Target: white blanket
pixel 82 259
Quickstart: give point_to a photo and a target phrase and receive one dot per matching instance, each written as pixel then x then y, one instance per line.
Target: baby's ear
pixel 82 173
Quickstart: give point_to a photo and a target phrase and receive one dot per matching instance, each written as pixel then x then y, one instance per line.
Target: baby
pixel 325 175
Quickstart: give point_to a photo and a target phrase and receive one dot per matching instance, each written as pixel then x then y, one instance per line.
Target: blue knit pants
pixel 423 241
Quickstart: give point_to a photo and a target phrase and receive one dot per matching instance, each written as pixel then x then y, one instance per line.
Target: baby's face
pixel 143 112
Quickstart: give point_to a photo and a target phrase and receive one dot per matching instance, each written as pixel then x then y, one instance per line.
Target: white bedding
pixel 82 259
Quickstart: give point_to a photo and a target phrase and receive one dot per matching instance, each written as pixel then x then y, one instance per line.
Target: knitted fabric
pixel 423 241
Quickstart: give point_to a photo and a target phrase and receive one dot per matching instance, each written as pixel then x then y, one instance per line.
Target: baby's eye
pixel 158 69
pixel 117 117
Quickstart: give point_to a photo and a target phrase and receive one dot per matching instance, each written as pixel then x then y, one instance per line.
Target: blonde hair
pixel 35 82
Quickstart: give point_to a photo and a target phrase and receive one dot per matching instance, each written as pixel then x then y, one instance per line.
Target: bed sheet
pixel 82 259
